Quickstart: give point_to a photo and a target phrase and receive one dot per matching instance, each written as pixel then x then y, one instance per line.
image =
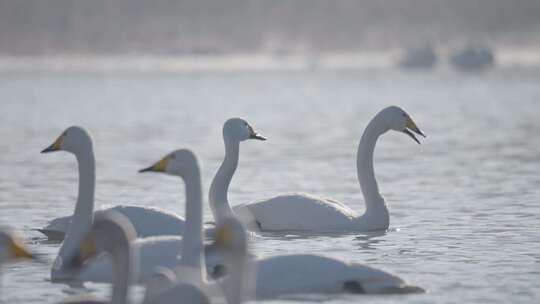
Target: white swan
pixel 235 130
pixel 314 274
pixel 154 251
pixel 110 233
pixel 191 270
pixel 147 221
pixel 308 213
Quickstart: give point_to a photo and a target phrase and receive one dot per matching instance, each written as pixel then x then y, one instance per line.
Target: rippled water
pixel 465 212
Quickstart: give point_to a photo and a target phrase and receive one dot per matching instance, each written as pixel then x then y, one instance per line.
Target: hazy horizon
pixel 35 27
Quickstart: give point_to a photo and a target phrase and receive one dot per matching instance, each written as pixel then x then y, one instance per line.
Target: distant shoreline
pixel 254 61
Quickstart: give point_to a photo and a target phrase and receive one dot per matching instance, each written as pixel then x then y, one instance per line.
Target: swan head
pixel 11 247
pixel 74 139
pixel 397 119
pixel 180 163
pixel 238 129
pixel 110 232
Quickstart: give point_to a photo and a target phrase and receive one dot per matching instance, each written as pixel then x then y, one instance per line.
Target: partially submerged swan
pixel 303 212
pixel 147 221
pixel 154 251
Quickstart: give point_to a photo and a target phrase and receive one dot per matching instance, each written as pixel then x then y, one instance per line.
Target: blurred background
pixel 279 28
pixel 147 77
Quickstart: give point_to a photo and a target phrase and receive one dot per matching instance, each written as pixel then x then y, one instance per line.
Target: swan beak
pixel 54 147
pixel 17 250
pixel 254 135
pixel 160 166
pixel 410 125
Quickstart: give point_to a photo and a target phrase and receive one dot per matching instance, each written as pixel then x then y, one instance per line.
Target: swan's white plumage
pixel 147 221
pixel 292 210
pixel 305 273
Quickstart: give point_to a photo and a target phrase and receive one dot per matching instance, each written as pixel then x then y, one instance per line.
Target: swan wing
pixel 297 212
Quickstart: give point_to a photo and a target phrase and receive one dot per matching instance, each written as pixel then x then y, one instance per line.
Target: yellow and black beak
pixel 411 126
pixel 55 145
pixel 17 250
pixel 160 166
pixel 254 135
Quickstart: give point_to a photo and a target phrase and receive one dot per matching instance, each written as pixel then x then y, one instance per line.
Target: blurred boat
pixel 473 58
pixel 419 58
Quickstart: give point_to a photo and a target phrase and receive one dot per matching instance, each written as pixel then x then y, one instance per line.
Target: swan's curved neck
pixel 84 208
pixel 122 261
pixel 192 245
pixel 364 164
pixel 219 202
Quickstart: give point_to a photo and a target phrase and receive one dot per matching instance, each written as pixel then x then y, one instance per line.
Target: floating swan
pixel 235 130
pixel 308 213
pixel 307 273
pixel 147 221
pixel 191 269
pixel 154 251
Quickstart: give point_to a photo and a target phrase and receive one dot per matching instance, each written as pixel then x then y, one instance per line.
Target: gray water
pixel 465 213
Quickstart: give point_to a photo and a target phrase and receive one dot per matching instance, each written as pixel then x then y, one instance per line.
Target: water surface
pixel 465 213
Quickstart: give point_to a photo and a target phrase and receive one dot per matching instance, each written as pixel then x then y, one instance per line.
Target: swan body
pixel 307 273
pixel 310 213
pixel 290 211
pixel 154 252
pixel 146 220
